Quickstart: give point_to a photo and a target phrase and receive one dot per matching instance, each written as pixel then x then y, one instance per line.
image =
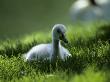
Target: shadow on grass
pixel 77 63
pixel 104 33
pixel 73 64
pixel 18 50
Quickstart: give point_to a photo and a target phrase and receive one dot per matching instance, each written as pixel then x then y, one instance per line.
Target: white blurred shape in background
pixel 89 10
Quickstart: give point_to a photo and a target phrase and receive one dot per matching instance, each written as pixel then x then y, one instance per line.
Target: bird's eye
pixel 58 30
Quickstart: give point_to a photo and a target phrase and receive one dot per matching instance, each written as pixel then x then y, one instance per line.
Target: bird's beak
pixel 64 39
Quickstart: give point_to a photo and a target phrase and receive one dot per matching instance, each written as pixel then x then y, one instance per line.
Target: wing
pixel 64 53
pixel 42 51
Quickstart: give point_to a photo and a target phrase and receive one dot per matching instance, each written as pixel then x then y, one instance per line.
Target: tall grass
pixel 88 44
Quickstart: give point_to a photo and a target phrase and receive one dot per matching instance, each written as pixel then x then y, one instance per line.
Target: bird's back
pixel 42 51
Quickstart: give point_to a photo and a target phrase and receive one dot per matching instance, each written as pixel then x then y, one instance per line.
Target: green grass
pixel 90 61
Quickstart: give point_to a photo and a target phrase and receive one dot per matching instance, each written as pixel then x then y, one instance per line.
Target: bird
pixel 50 51
pixel 93 2
pixel 87 10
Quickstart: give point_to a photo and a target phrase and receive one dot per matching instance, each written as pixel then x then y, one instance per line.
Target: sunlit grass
pixel 89 75
pixel 88 44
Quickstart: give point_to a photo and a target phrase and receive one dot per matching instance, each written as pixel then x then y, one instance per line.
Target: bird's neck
pixel 55 49
pixel 93 2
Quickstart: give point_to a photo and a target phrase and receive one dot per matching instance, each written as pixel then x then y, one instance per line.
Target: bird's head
pixel 59 32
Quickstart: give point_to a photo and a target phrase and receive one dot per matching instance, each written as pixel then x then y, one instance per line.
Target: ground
pixel 89 45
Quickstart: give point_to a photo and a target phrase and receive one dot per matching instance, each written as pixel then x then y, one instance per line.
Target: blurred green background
pixel 19 17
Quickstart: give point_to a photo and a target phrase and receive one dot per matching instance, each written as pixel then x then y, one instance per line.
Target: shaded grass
pixel 89 46
pixel 62 77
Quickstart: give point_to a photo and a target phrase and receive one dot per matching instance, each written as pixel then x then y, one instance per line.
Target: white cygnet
pixel 53 50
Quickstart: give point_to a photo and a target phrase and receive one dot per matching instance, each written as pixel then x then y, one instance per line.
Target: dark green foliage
pixel 89 49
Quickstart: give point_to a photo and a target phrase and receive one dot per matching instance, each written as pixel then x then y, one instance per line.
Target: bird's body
pixel 44 51
pixel 39 51
pixel 87 10
pixel 50 51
